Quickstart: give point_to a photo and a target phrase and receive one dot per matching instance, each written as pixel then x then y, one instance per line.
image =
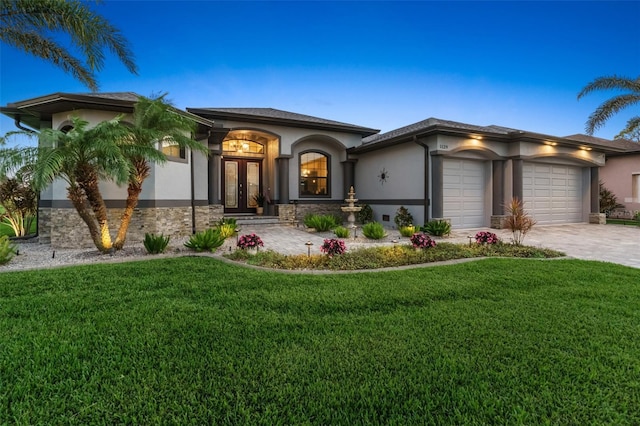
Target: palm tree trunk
pixel 134 189
pixel 76 195
pixel 89 183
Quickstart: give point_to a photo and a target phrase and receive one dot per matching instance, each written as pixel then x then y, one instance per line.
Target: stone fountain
pixel 351 208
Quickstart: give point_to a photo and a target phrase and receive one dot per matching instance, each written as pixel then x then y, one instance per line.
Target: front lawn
pixel 198 341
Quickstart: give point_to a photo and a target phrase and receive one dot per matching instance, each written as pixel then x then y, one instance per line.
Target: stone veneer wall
pixel 295 213
pixel 63 228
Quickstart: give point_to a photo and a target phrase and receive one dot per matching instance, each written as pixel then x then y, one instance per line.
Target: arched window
pixel 314 174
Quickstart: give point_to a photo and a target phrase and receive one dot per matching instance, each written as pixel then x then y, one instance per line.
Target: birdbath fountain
pixel 351 208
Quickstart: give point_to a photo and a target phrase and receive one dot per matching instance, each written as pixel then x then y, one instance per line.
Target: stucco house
pixel 621 175
pixel 435 168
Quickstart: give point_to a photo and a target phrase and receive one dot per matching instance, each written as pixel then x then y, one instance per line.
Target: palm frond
pixel 611 83
pixel 29 25
pixel 631 131
pixel 608 109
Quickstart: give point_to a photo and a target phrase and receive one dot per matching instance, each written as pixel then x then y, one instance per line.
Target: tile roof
pixel 277 115
pixel 430 123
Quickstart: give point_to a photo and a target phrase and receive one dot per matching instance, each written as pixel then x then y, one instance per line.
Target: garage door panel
pixel 464 192
pixel 553 193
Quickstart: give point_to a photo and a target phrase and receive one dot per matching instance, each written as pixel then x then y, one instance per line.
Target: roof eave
pixel 363 131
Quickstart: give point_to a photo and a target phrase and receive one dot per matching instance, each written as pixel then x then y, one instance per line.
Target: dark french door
pixel 240 183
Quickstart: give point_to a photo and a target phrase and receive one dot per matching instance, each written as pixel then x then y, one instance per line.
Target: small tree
pixel 403 217
pixel 518 221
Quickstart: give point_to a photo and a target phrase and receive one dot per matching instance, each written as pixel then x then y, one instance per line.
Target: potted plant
pixel 260 199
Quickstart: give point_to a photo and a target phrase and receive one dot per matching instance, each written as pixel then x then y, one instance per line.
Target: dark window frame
pixel 300 176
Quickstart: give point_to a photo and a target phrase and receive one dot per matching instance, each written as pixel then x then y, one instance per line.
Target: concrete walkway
pixel 609 243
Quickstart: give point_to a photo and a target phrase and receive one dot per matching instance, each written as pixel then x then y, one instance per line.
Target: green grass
pixel 199 341
pixel 623 222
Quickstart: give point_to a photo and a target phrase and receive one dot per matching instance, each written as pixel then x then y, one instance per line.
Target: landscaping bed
pixel 389 256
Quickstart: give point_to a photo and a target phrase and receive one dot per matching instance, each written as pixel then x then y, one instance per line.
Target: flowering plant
pixel 333 247
pixel 250 241
pixel 422 241
pixel 486 238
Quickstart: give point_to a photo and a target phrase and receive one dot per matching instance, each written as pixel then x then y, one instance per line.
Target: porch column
pixel 594 215
pixel 283 180
pixel 213 173
pixel 348 171
pixel 498 190
pixel 437 193
pixel 517 178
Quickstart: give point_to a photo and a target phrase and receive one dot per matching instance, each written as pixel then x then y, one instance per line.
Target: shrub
pixel 321 223
pixel 250 241
pixel 7 249
pixel 486 238
pixel 403 218
pixel 518 221
pixel 341 232
pixel 333 247
pixel 437 228
pixel 208 240
pixel 407 231
pixel 365 215
pixel 636 216
pixel 155 244
pixel 227 227
pixel 373 230
pixel 422 241
pixel 608 200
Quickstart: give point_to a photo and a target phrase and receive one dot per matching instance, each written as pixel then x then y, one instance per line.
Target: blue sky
pixel 376 64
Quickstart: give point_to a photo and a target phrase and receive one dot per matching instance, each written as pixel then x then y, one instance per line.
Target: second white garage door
pixel 552 193
pixel 464 192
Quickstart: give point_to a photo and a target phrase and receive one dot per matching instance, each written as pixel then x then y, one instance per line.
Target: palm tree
pixel 155 122
pixel 28 25
pixel 82 157
pixel 606 110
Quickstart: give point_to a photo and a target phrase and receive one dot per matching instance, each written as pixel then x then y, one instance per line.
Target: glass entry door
pixel 240 184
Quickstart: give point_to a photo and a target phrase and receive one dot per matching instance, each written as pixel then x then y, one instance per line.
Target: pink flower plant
pixel 250 241
pixel 333 247
pixel 484 237
pixel 422 241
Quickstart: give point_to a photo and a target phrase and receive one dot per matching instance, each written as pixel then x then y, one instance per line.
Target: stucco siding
pixel 618 176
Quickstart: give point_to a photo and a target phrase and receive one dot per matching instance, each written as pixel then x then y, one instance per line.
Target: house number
pixel 442 146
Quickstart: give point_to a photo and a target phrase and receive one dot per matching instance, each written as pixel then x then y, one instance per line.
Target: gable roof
pixel 32 111
pixel 432 126
pixel 280 117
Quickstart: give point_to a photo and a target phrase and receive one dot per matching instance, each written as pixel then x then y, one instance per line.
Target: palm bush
pixel 208 240
pixel 155 244
pixel 321 223
pixel 373 230
pixel 437 228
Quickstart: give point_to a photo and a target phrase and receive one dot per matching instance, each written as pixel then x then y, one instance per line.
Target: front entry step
pixel 253 220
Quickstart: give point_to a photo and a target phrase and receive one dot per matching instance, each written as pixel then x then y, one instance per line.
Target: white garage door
pixel 464 192
pixel 552 193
